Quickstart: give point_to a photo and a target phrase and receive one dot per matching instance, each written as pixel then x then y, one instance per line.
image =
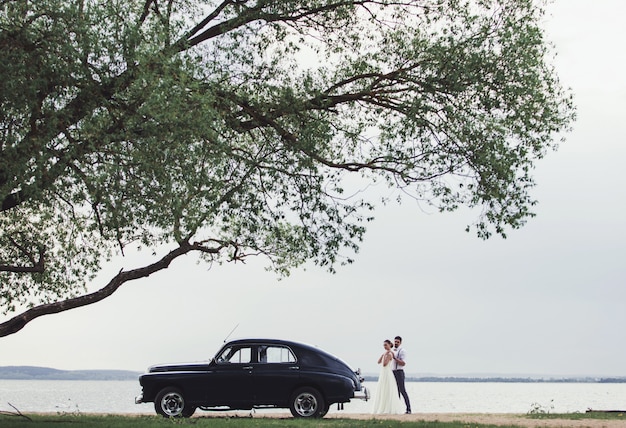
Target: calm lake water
pixel 426 397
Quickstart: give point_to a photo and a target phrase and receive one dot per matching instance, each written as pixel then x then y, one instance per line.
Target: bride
pixel 387 399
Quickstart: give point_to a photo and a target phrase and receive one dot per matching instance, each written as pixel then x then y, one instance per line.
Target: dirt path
pixel 482 418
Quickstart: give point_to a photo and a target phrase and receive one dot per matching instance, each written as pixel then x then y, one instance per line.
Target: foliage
pixel 251 127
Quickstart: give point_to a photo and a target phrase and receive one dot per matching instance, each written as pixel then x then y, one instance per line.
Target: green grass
pixel 89 421
pixel 577 416
pixel 121 421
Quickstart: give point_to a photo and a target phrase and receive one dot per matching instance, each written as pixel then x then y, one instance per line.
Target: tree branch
pixel 16 413
pixel 37 265
pixel 18 322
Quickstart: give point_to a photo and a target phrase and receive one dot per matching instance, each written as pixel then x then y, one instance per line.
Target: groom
pixel 398 372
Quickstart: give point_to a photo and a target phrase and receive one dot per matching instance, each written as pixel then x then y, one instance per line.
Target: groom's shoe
pixel 408 412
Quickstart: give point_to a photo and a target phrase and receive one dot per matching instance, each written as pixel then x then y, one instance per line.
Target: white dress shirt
pixel 401 355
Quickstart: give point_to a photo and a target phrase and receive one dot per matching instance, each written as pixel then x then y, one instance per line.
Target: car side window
pixel 235 356
pixel 275 354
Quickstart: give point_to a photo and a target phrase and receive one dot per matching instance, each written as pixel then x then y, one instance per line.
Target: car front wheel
pixel 324 411
pixel 170 403
pixel 307 402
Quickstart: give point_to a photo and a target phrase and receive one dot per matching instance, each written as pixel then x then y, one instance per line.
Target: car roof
pixel 290 343
pixel 264 341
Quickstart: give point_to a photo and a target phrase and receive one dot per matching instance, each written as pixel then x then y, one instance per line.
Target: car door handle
pixel 294 368
pixel 247 368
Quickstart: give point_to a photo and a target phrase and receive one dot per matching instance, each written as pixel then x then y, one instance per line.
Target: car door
pixel 275 374
pixel 230 381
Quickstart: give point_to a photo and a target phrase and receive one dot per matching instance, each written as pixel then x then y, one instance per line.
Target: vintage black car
pixel 254 373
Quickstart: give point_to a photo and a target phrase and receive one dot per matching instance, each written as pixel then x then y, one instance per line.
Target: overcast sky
pixel 549 300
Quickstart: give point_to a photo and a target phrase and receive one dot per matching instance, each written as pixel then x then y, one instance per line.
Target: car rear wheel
pixel 170 403
pixel 307 402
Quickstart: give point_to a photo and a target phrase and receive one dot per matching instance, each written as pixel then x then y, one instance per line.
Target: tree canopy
pixel 232 128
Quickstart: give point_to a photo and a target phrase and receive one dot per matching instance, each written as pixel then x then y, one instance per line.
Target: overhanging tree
pixel 230 129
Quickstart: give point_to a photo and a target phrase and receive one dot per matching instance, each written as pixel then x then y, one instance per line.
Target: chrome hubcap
pixel 172 404
pixel 306 404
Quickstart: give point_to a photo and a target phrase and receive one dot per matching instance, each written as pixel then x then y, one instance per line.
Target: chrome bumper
pixel 363 394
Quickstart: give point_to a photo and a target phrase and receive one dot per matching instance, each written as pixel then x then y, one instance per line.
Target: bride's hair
pixel 389 342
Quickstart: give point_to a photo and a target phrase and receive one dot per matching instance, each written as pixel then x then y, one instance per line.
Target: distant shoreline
pixel 504 379
pixel 47 373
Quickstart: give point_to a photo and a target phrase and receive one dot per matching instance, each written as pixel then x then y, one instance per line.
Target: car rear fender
pixel 333 387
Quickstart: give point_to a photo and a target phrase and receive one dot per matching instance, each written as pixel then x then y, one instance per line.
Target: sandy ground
pixel 494 419
pixel 482 418
pixel 498 419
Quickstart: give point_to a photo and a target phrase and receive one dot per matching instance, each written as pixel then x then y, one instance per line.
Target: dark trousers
pixel 399 374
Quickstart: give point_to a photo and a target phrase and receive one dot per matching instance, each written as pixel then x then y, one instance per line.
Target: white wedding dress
pixel 387 399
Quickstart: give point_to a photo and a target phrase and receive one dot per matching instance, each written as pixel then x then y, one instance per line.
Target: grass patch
pixel 132 421
pixel 117 421
pixel 578 416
